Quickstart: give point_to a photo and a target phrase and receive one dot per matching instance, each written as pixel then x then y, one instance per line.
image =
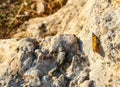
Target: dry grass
pixel 13 13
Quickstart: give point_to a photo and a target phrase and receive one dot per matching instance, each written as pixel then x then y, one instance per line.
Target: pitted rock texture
pixel 56 51
pixel 33 59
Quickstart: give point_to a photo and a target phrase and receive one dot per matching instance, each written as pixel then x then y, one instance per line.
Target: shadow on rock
pixel 101 52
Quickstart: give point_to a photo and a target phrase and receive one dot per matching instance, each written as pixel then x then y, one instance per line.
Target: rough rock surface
pixel 56 51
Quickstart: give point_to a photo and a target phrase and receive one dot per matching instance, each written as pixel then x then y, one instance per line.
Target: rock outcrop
pixel 57 50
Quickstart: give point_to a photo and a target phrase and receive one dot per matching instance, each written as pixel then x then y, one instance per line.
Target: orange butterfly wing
pixel 95 43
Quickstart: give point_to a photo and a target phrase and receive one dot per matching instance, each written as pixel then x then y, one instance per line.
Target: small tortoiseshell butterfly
pixel 95 43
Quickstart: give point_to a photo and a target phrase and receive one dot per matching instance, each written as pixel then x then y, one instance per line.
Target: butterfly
pixel 95 43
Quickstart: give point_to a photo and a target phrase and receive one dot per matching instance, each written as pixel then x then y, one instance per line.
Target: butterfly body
pixel 95 43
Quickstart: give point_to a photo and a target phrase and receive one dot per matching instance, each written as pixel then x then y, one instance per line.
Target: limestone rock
pixel 88 83
pixel 80 78
pixel 46 81
pixel 78 64
pixel 32 78
pixel 60 81
pixel 61 55
pixel 36 46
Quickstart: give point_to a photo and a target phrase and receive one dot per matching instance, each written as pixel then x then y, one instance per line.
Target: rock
pixel 27 44
pixel 69 43
pixel 80 78
pixel 34 82
pixel 46 81
pixel 32 73
pixel 52 72
pixel 26 65
pixel 78 63
pixel 87 83
pixel 64 39
pixel 60 81
pixel 61 55
pixel 32 78
pixel 25 53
